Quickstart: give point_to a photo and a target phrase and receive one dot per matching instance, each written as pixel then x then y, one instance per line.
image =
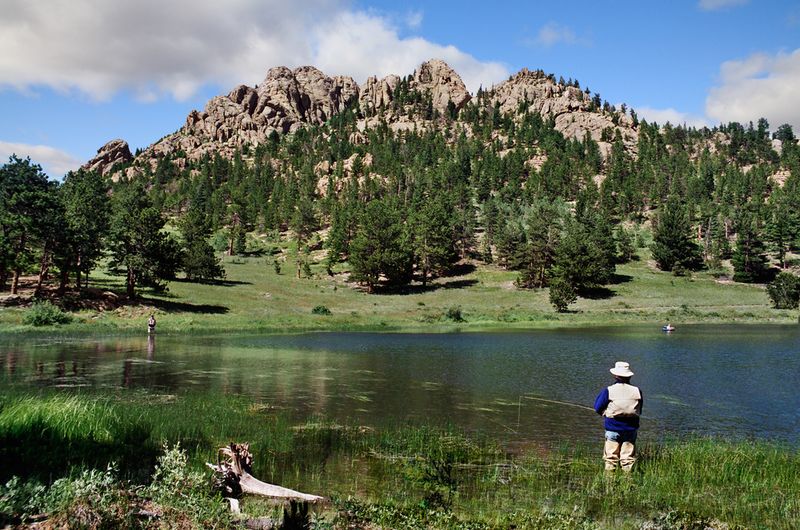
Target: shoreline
pixel 89 329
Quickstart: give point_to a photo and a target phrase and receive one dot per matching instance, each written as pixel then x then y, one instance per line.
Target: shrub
pixel 45 313
pixel 784 291
pixel 19 500
pixel 454 314
pixel 562 293
pixel 321 310
pixel 183 494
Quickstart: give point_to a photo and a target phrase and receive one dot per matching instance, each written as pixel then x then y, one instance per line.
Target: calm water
pixel 522 386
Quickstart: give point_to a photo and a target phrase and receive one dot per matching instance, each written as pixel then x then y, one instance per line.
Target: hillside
pixel 402 182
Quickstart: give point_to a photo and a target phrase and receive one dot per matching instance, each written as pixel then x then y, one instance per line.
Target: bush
pixel 784 291
pixel 454 314
pixel 46 313
pixel 183 495
pixel 321 310
pixel 562 293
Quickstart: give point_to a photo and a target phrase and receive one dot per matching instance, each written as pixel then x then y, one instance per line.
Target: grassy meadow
pixel 404 477
pixel 254 297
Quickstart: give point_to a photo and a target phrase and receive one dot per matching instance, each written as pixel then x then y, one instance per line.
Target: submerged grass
pixel 409 476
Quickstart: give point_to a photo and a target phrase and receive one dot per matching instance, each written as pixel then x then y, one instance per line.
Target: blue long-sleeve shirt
pixel 620 424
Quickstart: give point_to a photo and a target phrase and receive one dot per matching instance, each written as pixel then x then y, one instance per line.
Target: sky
pixel 75 74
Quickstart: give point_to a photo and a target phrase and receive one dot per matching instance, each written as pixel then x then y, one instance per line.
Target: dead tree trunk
pixel 233 477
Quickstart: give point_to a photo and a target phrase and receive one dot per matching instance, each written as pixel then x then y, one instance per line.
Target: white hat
pixel 621 369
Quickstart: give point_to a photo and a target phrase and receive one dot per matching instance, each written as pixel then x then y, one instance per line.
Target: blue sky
pixel 77 73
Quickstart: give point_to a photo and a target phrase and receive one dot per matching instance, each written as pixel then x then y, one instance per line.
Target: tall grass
pixel 410 475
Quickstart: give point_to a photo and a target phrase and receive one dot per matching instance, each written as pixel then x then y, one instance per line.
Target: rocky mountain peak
pixel 110 155
pixel 444 84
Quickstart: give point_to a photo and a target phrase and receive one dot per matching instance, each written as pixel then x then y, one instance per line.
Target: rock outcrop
pixel 443 83
pixel 568 105
pixel 377 94
pixel 109 156
pixel 289 99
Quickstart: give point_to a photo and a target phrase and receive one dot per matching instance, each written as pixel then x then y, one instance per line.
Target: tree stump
pixel 233 477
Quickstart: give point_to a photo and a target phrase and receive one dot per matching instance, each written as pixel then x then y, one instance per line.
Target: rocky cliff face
pixel 289 99
pixel 110 155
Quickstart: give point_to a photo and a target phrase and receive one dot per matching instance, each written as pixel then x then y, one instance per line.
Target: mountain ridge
pixel 287 100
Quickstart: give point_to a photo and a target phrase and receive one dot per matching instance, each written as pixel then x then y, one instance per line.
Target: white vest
pixel 623 400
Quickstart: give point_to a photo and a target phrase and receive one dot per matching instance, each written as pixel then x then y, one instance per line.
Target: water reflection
pixel 519 386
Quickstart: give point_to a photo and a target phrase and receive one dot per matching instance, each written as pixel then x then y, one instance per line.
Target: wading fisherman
pixel 621 405
pixel 151 324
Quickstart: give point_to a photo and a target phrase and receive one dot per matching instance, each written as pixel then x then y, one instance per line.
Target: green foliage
pixel 673 244
pixel 626 251
pixel 84 196
pixel 199 260
pixel 454 313
pixel 320 310
pixel 784 291
pixel 28 214
pixel 92 499
pixel 184 494
pixel 749 259
pixel 20 499
pixel 381 246
pixel 45 313
pixel 562 294
pixel 138 244
pixel 581 260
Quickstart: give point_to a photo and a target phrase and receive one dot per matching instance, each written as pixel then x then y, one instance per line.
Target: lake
pixel 532 386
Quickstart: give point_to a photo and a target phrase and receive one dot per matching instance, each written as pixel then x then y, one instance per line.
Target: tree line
pixel 69 226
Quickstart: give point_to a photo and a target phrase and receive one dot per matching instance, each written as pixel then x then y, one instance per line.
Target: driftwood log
pixel 233 478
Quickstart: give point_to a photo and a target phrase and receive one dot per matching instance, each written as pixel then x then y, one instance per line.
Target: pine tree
pixel 432 225
pixel 749 260
pixel 25 193
pixel 673 245
pixel 138 245
pixel 199 260
pixel 87 209
pixel 579 260
pixel 381 246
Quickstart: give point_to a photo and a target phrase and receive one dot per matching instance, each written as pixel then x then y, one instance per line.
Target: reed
pixel 408 475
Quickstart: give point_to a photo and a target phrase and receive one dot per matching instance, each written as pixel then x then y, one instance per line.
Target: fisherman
pixel 621 405
pixel 151 324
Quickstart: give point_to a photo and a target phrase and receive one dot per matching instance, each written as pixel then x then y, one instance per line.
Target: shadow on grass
pixel 617 279
pixel 221 282
pixel 597 293
pixel 419 288
pixel 170 306
pixel 37 450
pixel 460 269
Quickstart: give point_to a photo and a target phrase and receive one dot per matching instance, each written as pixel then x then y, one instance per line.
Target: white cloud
pixel 675 117
pixel 153 48
pixel 361 45
pixel 552 33
pixel 713 5
pixel 54 162
pixel 761 85
pixel 414 19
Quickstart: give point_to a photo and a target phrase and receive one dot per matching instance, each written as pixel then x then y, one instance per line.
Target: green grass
pixel 410 476
pixel 254 297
